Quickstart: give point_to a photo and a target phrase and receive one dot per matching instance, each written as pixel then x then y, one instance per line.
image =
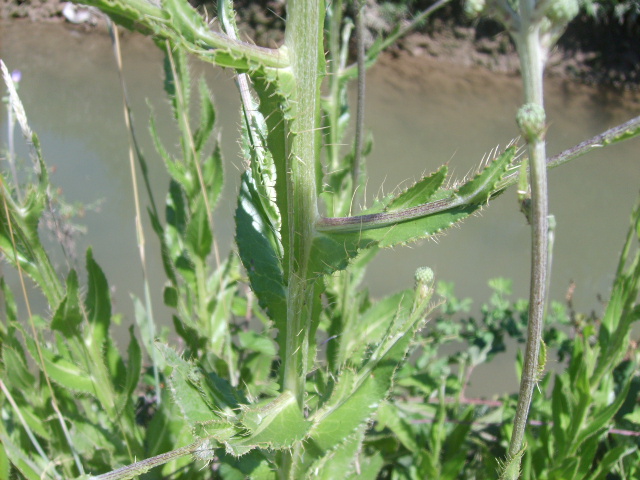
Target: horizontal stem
pixel 384 219
pixel 143 466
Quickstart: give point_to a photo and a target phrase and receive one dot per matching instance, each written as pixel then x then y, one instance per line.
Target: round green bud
pixel 531 121
pixel 561 12
pixel 473 8
pixel 424 277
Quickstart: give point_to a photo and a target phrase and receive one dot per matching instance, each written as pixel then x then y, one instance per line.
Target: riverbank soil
pixel 592 51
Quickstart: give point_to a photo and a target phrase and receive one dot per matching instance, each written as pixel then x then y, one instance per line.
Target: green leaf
pixel 98 302
pixel 258 342
pixel 213 175
pixel 277 424
pixel 62 370
pixel 201 397
pixel 420 192
pixel 25 465
pixel 199 238
pixel 357 395
pixel 11 311
pixel 372 325
pixel 390 416
pixel 207 116
pixel 178 87
pixel 334 246
pixel 252 465
pixel 341 461
pixel 5 463
pixel 260 254
pixel 68 315
pixel 15 369
pixel 134 365
pixel 602 417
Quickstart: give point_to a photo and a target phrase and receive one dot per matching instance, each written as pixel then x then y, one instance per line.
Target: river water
pixel 422 114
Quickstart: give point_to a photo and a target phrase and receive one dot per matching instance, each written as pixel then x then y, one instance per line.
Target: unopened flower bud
pixel 424 277
pixel 531 121
pixel 561 12
pixel 473 8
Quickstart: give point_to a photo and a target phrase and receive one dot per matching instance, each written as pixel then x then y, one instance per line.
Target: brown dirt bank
pixel 590 52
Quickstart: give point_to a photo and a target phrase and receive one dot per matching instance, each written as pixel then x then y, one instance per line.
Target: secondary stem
pixel 532 58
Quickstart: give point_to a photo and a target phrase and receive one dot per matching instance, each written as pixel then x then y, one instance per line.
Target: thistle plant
pixel 251 407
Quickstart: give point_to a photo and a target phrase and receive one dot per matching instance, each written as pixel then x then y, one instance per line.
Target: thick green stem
pixel 303 39
pixel 532 59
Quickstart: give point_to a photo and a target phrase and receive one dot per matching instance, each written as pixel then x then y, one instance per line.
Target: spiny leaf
pixel 277 423
pixel 337 245
pixel 202 397
pixel 420 192
pixel 357 394
pixel 260 252
pixel 340 461
pixel 372 325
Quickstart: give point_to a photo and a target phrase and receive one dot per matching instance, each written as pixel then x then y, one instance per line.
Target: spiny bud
pixel 561 12
pixel 424 277
pixel 531 121
pixel 473 8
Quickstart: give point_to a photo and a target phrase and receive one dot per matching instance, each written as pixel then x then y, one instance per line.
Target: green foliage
pixel 312 380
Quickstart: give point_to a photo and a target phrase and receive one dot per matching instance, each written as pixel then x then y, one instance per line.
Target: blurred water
pixel 422 114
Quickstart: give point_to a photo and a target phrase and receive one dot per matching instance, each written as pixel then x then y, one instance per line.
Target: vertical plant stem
pixel 303 38
pixel 332 146
pixel 532 59
pixel 361 85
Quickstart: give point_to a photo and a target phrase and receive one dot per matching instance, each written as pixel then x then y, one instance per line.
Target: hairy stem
pixel 362 72
pixel 532 59
pixel 303 38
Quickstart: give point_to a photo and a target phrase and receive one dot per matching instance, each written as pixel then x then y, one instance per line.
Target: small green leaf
pixel 199 238
pixel 207 116
pixel 257 342
pixel 390 416
pixel 134 365
pixel 62 370
pixel 213 173
pixel 277 423
pixel 202 397
pixel 68 316
pixel 15 368
pixel 98 302
pixel 420 192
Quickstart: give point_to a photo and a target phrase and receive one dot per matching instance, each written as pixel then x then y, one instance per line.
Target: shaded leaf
pixel 68 315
